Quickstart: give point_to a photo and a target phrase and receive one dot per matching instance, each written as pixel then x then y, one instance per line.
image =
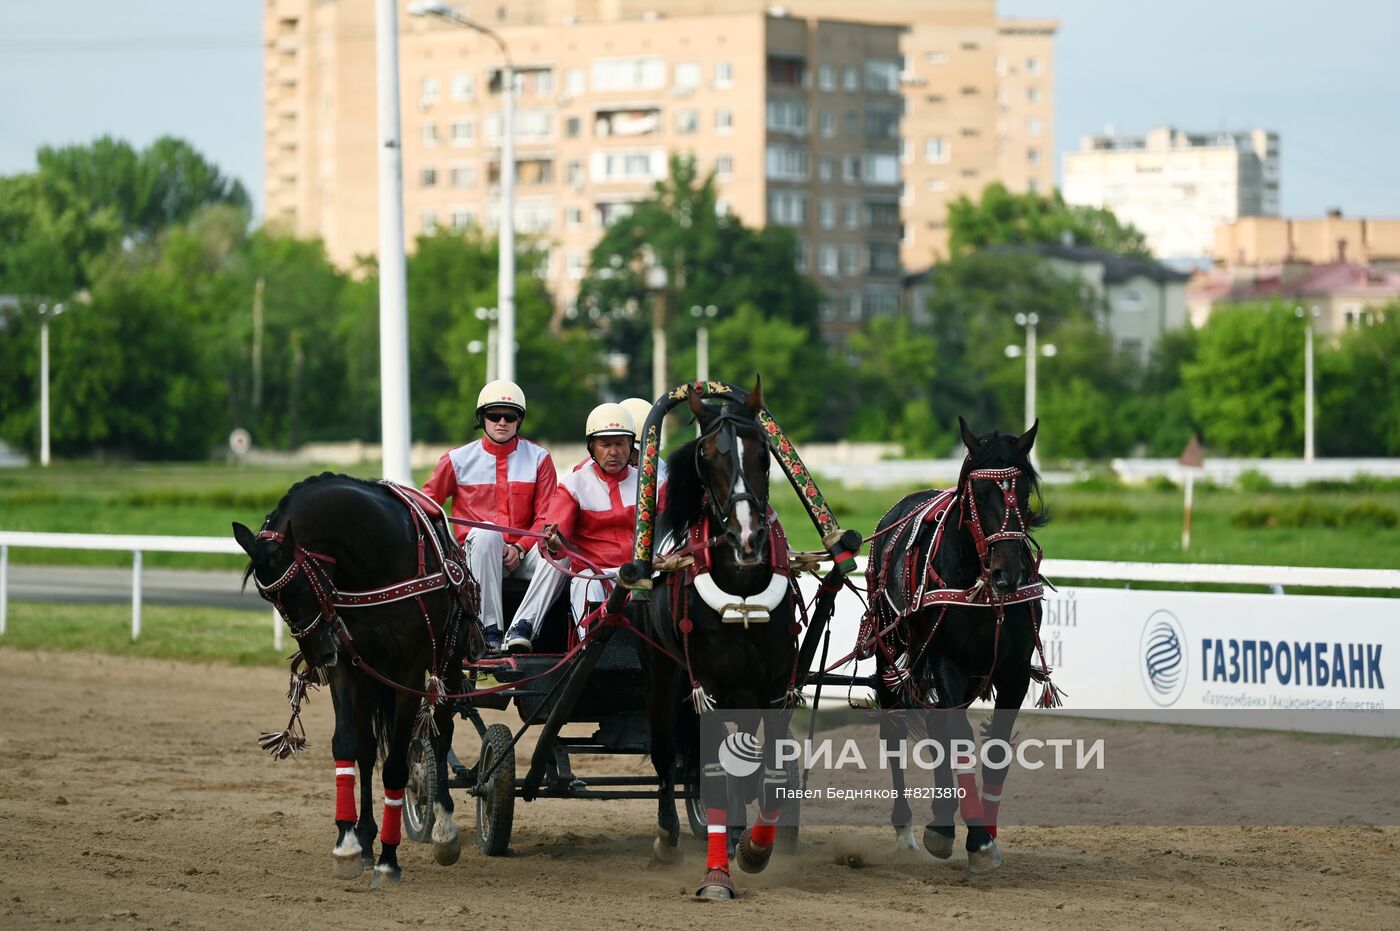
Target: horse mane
pixel 685 493
pixel 282 505
pixel 997 451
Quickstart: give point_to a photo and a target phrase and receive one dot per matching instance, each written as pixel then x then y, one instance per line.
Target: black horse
pixel 717 497
pixel 357 571
pixel 954 610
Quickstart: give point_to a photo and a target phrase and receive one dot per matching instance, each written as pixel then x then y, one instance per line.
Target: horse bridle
pixel 726 444
pixel 1006 481
pixel 311 565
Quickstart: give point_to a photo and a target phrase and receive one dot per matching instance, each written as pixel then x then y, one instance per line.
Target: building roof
pixel 1117 267
pixel 1316 281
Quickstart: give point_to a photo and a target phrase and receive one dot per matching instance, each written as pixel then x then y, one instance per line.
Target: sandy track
pixel 132 792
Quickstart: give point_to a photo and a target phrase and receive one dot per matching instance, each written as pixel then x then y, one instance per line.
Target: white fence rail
pixel 1201 573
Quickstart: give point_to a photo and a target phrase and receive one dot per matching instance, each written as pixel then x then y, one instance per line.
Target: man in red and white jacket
pixel 501 479
pixel 594 509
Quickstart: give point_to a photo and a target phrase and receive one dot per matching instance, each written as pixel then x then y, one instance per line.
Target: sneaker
pixel 493 640
pixel 518 638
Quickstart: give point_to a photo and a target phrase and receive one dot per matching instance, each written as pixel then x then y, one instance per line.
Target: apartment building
pixel 1177 187
pixel 1263 241
pixel 1025 102
pixel 798 118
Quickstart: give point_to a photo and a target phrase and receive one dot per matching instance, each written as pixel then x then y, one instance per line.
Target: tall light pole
pixel 1309 318
pixel 505 270
pixel 45 312
pixel 393 276
pixel 1031 351
pixel 656 281
pixel 490 315
pixel 702 340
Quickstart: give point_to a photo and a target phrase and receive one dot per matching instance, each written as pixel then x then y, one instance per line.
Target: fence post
pixel 135 595
pixel 4 588
pixel 276 631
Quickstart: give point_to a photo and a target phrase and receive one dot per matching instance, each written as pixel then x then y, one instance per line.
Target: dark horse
pixel 356 569
pixel 717 498
pixel 954 612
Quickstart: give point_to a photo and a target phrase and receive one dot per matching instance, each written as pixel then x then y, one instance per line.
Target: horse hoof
pixel 661 850
pixel 449 852
pixel 752 858
pixel 350 866
pixel 938 844
pixel 717 887
pixel 385 876
pixel 984 862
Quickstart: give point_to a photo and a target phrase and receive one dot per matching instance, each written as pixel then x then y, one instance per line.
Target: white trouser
pixel 544 588
pixel 484 558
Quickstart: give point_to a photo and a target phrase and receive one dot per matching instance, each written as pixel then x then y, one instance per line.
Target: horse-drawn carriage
pixel 704 616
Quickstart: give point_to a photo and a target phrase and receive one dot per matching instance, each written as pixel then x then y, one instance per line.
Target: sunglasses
pixel 498 416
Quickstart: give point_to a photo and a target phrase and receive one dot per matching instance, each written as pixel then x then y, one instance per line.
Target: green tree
pixel 1245 385
pixel 1001 218
pixel 1358 408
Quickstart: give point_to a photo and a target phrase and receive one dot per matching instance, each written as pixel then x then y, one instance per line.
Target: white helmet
pixel 639 408
pixel 610 420
pixel 501 393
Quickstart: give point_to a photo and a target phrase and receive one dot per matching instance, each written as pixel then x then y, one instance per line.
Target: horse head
pixel 731 460
pixel 995 490
pixel 294 582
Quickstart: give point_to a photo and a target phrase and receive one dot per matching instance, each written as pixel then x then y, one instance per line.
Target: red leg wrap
pixel 971 802
pixel 766 829
pixel 991 804
pixel 392 831
pixel 345 791
pixel 719 840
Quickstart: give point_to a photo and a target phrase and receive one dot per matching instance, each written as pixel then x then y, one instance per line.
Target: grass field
pixel 1092 520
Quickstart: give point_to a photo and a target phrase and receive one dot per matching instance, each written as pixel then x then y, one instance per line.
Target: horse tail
pixel 382 718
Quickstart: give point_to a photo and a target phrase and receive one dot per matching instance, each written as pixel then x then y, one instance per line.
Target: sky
pixel 1323 75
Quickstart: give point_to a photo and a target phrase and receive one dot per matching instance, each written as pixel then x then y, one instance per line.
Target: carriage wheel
pixel 495 797
pixel 786 840
pixel 421 791
pixel 695 805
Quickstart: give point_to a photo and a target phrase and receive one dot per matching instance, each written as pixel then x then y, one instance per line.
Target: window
pixel 427 177
pixel 427 91
pixel 936 150
pixel 1032 95
pixel 827 122
pixel 826 168
pixel 905 152
pixel 882 169
pixel 628 164
pixel 627 74
pixel 884 258
pixel 627 122
pixel 852 306
pixel 573 172
pixel 687 121
pixel 850 78
pixel 969 90
pixel 575 264
pixel 534 124
pixel 573 218
pixel 463 87
pixel 882 77
pixel 1032 65
pixel 463 174
pixel 1033 155
pixel 852 124
pixel 1033 126
pixel 881 300
pixel 936 58
pixel 882 214
pixel 826 78
pixel 1129 299
pixel 786 162
pixel 1032 185
pixel 724 167
pixel 827 214
pixel 799 255
pixel 724 120
pixel 724 74
pixel 787 208
pixel 462 217
pixel 969 46
pixel 430 135
pixel 687 75
pixel 850 169
pixel 785 71
pixel 1130 349
pixel 827 309
pixel 826 261
pixel 429 221
pixel 850 214
pixel 463 131
pixel 881 124
pixel 574 82
pixel 937 184
pixel 787 116
pixel 572 127
pixel 970 132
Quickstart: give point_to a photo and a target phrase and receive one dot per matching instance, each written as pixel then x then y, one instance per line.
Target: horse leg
pixel 344 748
pixel 395 777
pixel 1011 691
pixel 983 857
pixel 661 714
pixel 941 832
pixel 893 731
pixel 755 846
pixel 366 829
pixel 447 843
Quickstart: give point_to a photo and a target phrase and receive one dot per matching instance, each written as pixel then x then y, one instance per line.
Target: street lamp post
pixel 1309 318
pixel 656 283
pixel 505 269
pixel 490 314
pixel 702 340
pixel 1031 352
pixel 45 312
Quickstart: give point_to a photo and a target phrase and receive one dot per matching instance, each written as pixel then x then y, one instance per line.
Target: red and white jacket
pixel 596 513
pixel 509 484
